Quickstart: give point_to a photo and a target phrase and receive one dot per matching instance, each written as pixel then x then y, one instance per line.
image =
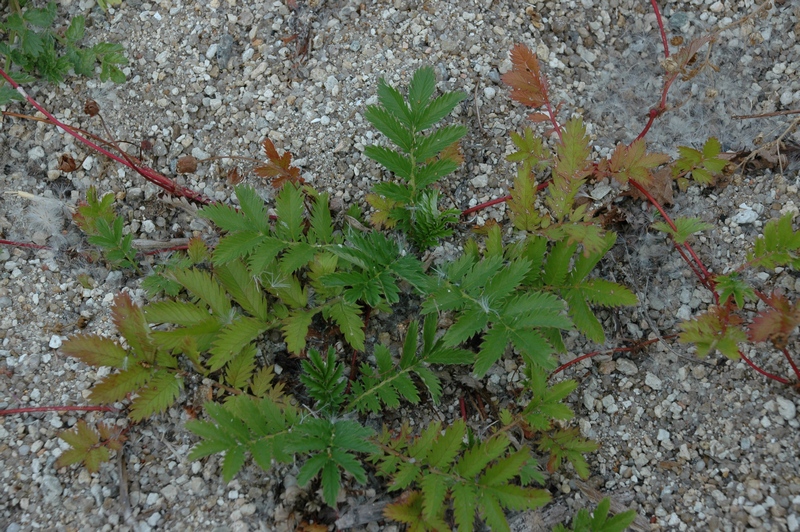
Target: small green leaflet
pixel 331 446
pixel 684 228
pixel 779 245
pixel 712 330
pixel 702 166
pixel 599 520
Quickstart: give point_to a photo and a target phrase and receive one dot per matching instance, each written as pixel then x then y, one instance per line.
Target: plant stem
pixel 581 358
pixel 22 244
pixel 660 23
pixel 34 409
pixel 149 174
pixel 761 371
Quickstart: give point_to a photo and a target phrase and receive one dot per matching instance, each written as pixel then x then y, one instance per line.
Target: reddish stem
pixel 660 23
pixel 791 363
pixel 486 205
pixel 34 409
pixel 608 351
pixel 463 404
pixel 541 186
pixel 150 175
pixel 761 371
pixel 21 244
pixel 704 275
pixel 167 250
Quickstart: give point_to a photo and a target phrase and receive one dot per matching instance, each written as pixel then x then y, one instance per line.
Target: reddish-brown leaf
pixel 279 167
pixel 528 84
pixel 775 323
pixel 678 62
pixel 234 177
pixel 66 163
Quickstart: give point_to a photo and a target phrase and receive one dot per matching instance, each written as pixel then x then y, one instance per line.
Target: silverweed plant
pixel 299 274
pixel 307 283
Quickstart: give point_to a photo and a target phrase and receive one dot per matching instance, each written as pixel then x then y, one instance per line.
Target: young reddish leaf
pixel 88 446
pixel 95 350
pixel 279 167
pixel 632 162
pixel 775 323
pixel 131 324
pixel 528 84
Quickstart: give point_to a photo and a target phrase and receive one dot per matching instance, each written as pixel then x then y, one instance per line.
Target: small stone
pixel 745 215
pixel 786 408
pixel 51 489
pixel 154 519
pixel 678 20
pixel 148 226
pixel 653 381
pixel 489 92
pixel 717 7
pixel 663 435
pixel 627 367
pixel 169 492
pixel 332 85
pixel 607 367
pixel 758 511
pixel 36 153
pixel 55 342
pixel 480 181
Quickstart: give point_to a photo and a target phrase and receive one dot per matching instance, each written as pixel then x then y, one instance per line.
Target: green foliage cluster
pixel 32 44
pixel 314 280
pixel 420 159
pixel 301 275
pixel 104 229
pixel 723 327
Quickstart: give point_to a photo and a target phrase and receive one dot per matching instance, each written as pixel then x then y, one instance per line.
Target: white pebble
pixel 489 92
pixel 786 408
pixel 148 226
pixel 653 381
pixel 55 342
pixel 745 215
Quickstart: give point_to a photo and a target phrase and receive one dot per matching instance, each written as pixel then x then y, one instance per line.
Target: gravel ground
pixel 690 444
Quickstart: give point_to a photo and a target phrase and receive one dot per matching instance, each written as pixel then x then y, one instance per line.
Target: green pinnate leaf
pixel 161 392
pixel 567 444
pixel 289 208
pixel 778 246
pixel 733 286
pixel 295 329
pixel 41 17
pixel 348 317
pixel 240 368
pixel 702 166
pixel 117 386
pixel 632 162
pixel 324 380
pixel 396 163
pixel 684 228
pixel 232 339
pixel 437 109
pixel 385 122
